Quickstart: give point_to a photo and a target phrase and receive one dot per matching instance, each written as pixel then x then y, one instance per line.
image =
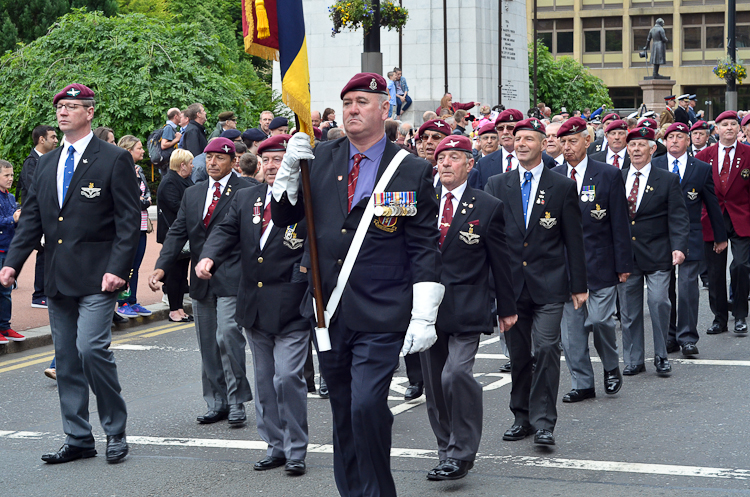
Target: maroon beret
pixel 318 133
pixel 366 81
pixel 616 124
pixel 681 127
pixel 572 126
pixel 220 146
pixel 487 128
pixel 276 143
pixel 509 116
pixel 648 123
pixel 727 114
pixel 434 125
pixel 454 142
pixel 642 134
pixel 699 125
pixel 746 119
pixel 74 92
pixel 612 115
pixel 532 124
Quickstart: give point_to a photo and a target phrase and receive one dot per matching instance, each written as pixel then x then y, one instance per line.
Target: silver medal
pixel 256 219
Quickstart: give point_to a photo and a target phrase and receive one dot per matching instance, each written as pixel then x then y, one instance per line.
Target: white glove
pixel 421 335
pixel 287 177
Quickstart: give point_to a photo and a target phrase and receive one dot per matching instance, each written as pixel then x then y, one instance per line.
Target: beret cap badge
pixel 373 84
pixel 73 92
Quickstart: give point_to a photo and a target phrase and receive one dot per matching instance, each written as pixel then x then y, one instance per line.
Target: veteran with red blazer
pixel 730 165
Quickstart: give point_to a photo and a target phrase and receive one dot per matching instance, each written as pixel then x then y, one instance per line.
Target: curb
pixel 42 336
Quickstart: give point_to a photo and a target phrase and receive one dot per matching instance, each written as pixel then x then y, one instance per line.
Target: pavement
pixel 683 435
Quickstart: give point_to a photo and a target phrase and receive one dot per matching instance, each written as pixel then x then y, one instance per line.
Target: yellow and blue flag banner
pixel 281 38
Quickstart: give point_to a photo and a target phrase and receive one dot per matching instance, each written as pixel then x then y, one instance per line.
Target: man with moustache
pixel 616 153
pixel 699 133
pixel 609 261
pixel 698 190
pixel 545 241
pixel 730 163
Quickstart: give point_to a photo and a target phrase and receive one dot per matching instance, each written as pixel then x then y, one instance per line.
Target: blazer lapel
pixel 542 190
pixel 651 186
pixel 689 170
pixel 516 202
pixel 588 180
pixel 465 207
pixel 737 166
pixel 88 158
pixel 258 228
pixel 226 197
pixel 341 169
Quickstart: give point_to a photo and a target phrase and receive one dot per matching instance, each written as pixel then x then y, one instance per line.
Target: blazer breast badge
pixel 547 221
pixel 692 195
pixel 469 237
pixel 290 238
pixel 90 191
pixel 598 213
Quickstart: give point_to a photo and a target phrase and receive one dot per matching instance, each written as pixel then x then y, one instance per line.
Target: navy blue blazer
pixel 606 226
pixel 698 190
pixel 492 164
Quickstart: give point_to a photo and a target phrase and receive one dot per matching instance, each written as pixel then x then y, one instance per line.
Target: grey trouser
pixel 687 300
pixel 631 314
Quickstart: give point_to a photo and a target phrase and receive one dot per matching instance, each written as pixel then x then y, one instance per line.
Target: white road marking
pixel 132 346
pixel 695 362
pixel 529 461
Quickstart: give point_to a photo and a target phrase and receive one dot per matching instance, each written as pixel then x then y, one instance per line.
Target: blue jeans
pixel 6 305
pixel 136 266
pixel 391 110
pixel 407 104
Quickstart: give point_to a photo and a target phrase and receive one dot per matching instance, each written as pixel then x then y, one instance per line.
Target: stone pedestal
pixel 654 91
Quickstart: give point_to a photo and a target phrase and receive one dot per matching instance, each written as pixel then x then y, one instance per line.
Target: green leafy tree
pixel 151 8
pixel 138 67
pixel 565 82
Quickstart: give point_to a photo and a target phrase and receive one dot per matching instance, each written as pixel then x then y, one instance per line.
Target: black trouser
pixel 413 369
pixel 176 285
pixel 39 275
pixel 739 270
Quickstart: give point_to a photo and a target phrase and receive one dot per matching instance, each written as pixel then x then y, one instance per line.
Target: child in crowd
pixel 9 213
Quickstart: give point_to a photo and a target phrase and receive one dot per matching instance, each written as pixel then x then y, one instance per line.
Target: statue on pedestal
pixel 659 50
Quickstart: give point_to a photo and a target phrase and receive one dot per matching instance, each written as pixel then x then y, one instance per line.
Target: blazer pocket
pixel 89 190
pixel 297 275
pixel 472 304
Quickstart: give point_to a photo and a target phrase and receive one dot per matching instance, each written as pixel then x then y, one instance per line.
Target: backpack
pixel 158 156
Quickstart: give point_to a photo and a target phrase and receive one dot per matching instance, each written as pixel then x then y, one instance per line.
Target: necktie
pixel 69 169
pixel 447 219
pixel 214 201
pixel 510 163
pixel 434 171
pixel 266 217
pixel 616 161
pixel 633 197
pixel 353 176
pixel 725 167
pixel 525 193
pixel 573 173
pixel 676 168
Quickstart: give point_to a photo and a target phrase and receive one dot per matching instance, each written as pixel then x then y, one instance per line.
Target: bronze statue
pixel 659 50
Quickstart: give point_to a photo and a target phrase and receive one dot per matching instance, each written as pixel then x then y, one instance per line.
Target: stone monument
pixel 657 86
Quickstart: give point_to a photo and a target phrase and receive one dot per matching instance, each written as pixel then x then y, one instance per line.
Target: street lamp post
pixel 535 51
pixel 372 59
pixel 731 95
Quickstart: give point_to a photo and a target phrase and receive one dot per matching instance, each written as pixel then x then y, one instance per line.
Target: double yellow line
pixel 44 357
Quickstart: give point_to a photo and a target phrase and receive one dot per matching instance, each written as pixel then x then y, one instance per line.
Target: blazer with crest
pixel 606 230
pixel 272 286
pixel 474 250
pixel 661 223
pixel 188 226
pixel 735 199
pixel 553 241
pixel 698 190
pixel 396 253
pixel 96 230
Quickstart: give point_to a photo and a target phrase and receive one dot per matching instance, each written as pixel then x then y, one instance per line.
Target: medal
pixel 379 210
pixel 256 219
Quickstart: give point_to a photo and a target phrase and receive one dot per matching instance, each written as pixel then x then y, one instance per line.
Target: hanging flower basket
pixel 726 70
pixel 353 14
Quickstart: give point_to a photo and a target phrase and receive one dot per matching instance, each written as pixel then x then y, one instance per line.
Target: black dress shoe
pixel 117 319
pixel 117 448
pixel 662 365
pixel 323 390
pixel 295 467
pixel 577 395
pixel 689 349
pixel 212 417
pixel 505 368
pixel 634 370
pixel 715 329
pixel 68 453
pixel 544 437
pixel 672 346
pixel 452 469
pixel 740 326
pixel 237 416
pixel 414 391
pixel 612 381
pixel 269 462
pixel 517 432
pixel 432 474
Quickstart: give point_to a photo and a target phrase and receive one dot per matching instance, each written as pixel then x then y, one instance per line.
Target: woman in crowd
pixel 105 133
pixel 168 199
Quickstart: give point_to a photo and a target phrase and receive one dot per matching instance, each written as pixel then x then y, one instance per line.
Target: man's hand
pixel 203 268
pixel 177 136
pixel 111 282
pixel 677 257
pixel 579 299
pixel 16 215
pixel 507 322
pixel 623 277
pixel 720 247
pixel 154 279
pixel 7 276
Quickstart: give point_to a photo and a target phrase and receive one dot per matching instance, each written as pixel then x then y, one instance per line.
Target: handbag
pixel 149 225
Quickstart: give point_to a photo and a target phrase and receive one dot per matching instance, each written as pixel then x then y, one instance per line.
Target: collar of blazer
pixel 89 156
pixel 226 196
pixel 651 185
pixel 465 208
pixel 546 182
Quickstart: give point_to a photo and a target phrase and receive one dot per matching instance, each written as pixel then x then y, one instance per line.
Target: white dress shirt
pixel 80 147
pixel 641 182
pixel 731 155
pixel 560 159
pixel 210 193
pixel 580 172
pixel 264 237
pixel 682 165
pixel 457 192
pixel 611 157
pixel 513 161
pixel 536 175
pixel 696 150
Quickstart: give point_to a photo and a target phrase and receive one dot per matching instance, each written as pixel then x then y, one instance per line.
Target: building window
pixel 553 5
pixel 742 31
pixel 703 37
pixel 642 25
pixel 556 34
pixel 626 98
pixel 602 35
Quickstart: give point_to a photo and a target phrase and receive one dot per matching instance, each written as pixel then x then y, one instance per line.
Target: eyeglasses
pixel 501 127
pixel 68 107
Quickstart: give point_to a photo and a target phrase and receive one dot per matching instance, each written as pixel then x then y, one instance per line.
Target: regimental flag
pixel 281 38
